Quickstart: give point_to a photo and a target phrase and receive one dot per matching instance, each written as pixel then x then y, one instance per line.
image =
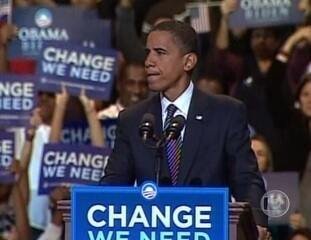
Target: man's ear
pixel 190 61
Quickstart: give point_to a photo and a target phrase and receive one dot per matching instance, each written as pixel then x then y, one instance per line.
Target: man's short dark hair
pixel 183 33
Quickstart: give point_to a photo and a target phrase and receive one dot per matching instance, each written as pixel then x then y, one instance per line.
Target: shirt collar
pixel 182 102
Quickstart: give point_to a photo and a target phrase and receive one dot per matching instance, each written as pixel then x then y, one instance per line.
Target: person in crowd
pixel 296 138
pixel 172 54
pixel 96 132
pixel 262 83
pixel 131 88
pixel 296 50
pixel 297 150
pixel 7 32
pixel 52 110
pixel 54 229
pixel 210 83
pixel 262 152
pixel 300 234
pixel 38 206
pixel 14 198
pixel 14 223
pixel 296 53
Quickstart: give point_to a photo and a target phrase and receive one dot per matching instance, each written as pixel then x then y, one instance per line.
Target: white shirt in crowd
pixel 38 209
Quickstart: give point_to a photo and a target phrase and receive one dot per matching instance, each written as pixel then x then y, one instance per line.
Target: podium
pixel 241 222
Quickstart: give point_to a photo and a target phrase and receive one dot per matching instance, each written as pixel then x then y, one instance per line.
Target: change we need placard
pixel 37 25
pixel 79 132
pixel 77 67
pixel 64 164
pixel 17 99
pixel 261 13
pixel 7 147
pixel 149 213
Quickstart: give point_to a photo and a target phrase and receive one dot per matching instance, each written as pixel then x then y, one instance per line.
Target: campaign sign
pixel 79 132
pixel 37 25
pixel 77 68
pixel 254 13
pixel 149 213
pixel 6 156
pixel 17 99
pixel 64 164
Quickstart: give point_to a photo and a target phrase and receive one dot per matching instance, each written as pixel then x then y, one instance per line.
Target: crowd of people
pixel 268 69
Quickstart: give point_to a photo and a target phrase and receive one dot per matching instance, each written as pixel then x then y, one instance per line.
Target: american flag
pixel 5 11
pixel 199 16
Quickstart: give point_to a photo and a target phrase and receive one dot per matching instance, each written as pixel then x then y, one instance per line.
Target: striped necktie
pixel 172 147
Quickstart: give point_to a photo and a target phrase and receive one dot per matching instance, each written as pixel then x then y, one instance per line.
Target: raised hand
pixel 62 97
pixel 7 32
pixel 88 104
pixel 228 6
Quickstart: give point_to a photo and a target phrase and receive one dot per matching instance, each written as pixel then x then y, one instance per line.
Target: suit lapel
pixel 193 134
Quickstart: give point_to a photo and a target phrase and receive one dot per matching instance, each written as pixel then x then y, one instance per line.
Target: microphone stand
pixel 173 131
pixel 159 157
pixel 159 148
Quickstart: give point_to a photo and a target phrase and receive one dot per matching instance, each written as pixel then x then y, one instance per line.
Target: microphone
pixel 174 128
pixel 146 128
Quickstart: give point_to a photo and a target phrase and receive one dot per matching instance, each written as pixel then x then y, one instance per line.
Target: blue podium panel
pixel 149 213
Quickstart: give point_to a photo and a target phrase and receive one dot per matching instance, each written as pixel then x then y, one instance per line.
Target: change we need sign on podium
pixel 149 213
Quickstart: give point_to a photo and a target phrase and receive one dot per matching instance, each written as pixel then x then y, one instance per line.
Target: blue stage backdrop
pixel 149 213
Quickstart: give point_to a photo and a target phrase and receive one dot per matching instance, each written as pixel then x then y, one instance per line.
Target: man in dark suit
pixel 215 147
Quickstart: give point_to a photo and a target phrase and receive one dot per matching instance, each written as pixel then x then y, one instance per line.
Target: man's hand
pixel 126 3
pixel 62 97
pixel 88 104
pixel 263 233
pixel 296 220
pixel 228 6
pixel 7 32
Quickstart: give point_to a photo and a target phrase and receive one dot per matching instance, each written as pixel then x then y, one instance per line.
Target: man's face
pixel 304 5
pixel 165 63
pixel 264 43
pixel 134 85
pixel 262 154
pixel 300 237
pixel 46 104
pixel 305 99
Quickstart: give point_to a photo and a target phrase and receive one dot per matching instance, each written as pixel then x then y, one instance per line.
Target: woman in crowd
pixel 262 152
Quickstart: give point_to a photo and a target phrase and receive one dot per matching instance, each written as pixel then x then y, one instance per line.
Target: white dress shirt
pixel 182 103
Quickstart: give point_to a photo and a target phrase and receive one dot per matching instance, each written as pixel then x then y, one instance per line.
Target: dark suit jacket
pixel 215 152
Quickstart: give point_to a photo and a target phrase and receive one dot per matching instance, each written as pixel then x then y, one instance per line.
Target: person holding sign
pixel 260 80
pixel 97 138
pixel 13 205
pixel 214 144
